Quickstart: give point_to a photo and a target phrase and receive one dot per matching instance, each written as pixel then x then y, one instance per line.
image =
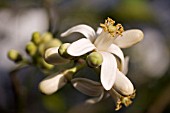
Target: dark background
pixel 149 60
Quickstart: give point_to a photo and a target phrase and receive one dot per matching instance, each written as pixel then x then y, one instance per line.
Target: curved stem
pixel 70 72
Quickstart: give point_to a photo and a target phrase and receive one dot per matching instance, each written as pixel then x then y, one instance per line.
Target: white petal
pixel 86 30
pixel 125 69
pixel 52 83
pixel 108 70
pixel 118 52
pixel 129 38
pixel 80 47
pixel 99 30
pixel 123 85
pixel 103 41
pixel 51 56
pixel 96 99
pixel 88 87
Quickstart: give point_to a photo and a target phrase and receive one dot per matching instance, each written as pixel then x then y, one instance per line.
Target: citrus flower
pixel 107 42
pixel 122 90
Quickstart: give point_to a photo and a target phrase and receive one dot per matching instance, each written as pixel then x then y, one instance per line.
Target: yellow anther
pixel 124 100
pixel 109 27
pixel 119 29
pixel 110 21
pixel 118 105
pixel 104 27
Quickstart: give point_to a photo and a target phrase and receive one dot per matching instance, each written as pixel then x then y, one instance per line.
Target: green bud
pixel 63 50
pixel 31 48
pixel 94 59
pixel 36 38
pixel 46 37
pixel 41 49
pixel 52 43
pixel 14 56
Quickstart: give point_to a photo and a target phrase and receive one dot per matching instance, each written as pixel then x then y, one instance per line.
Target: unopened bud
pixel 63 50
pixel 31 48
pixel 41 49
pixel 53 43
pixel 123 85
pixel 46 37
pixel 94 59
pixel 52 83
pixel 14 56
pixel 51 56
pixel 36 38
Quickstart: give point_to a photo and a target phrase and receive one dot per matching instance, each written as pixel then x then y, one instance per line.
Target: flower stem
pixel 70 72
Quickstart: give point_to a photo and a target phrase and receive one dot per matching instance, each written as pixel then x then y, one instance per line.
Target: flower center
pixel 109 27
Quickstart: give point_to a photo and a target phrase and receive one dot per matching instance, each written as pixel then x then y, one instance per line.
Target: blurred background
pixel 149 60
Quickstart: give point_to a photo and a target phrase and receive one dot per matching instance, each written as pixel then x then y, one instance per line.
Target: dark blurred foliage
pixel 149 60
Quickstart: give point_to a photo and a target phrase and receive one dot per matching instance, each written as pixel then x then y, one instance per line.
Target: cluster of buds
pixel 101 51
pixel 35 49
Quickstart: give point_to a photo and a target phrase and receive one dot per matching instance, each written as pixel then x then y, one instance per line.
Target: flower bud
pixel 51 56
pixel 46 37
pixel 94 59
pixel 41 49
pixel 14 56
pixel 31 48
pixel 123 85
pixel 36 38
pixel 63 50
pixel 52 43
pixel 52 83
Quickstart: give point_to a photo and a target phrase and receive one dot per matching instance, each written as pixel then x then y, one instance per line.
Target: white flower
pixel 122 84
pixel 122 90
pixel 107 43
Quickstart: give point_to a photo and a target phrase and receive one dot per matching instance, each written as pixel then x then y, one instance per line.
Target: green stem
pixel 70 72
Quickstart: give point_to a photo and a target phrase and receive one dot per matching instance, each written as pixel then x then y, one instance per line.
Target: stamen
pixel 118 105
pixel 124 100
pixel 109 26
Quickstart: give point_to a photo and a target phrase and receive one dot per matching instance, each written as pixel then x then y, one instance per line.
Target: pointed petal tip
pixel 139 33
pixel 43 89
pixel 129 38
pixel 107 87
